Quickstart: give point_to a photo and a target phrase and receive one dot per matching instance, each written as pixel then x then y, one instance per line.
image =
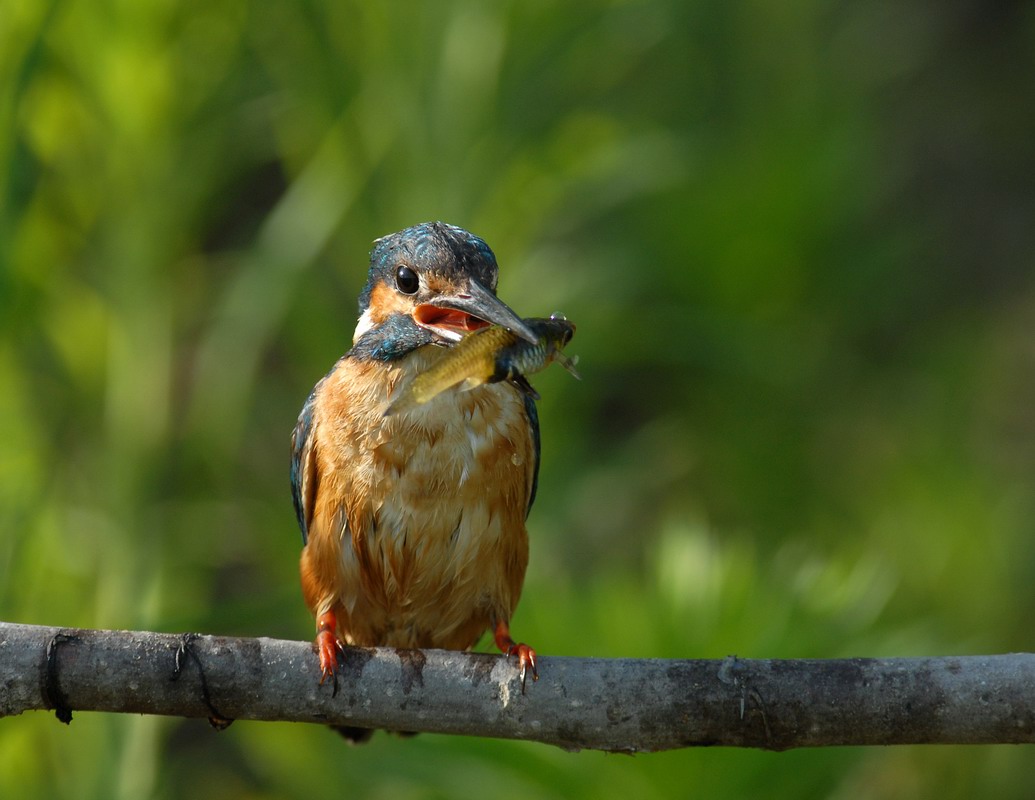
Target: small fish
pixel 491 355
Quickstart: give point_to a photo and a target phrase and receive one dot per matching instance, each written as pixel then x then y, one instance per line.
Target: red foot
pixel 525 654
pixel 328 646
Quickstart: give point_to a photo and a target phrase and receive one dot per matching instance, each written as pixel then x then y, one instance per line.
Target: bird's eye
pixel 407 281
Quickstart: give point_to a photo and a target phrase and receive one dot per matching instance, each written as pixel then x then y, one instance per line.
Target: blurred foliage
pixel 797 241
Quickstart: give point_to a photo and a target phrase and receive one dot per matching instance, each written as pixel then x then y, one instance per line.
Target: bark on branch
pixel 629 705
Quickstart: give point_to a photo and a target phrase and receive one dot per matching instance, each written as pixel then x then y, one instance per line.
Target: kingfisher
pixel 413 524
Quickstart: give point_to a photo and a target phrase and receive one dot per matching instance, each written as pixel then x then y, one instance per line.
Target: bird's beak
pixel 454 316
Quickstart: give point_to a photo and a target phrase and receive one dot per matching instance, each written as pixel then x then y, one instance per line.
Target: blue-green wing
pixel 533 423
pixel 304 476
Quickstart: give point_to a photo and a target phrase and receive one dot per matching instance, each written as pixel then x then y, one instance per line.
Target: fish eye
pixel 406 280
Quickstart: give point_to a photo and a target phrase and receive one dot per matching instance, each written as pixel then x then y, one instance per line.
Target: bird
pixel 413 524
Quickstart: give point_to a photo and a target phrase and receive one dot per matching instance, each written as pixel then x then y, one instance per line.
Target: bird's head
pixel 429 284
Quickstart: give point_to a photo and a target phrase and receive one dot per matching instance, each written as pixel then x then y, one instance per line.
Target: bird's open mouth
pixel 449 323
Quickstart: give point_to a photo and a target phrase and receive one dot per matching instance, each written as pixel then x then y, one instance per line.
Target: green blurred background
pixel 797 241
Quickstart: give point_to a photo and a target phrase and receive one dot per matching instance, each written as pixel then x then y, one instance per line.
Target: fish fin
pixel 401 403
pixel 470 383
pixel 409 396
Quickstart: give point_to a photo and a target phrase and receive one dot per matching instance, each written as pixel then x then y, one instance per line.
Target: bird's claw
pixel 329 647
pixel 524 653
pixel 331 650
pixel 526 659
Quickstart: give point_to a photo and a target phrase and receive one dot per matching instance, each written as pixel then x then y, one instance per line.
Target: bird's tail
pixel 354 735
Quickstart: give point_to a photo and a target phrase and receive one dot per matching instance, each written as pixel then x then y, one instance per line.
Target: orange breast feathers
pixel 416 536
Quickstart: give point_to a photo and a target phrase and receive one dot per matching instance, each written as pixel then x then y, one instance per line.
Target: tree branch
pixel 629 705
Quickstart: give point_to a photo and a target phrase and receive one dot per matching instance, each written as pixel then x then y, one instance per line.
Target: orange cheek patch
pixel 384 302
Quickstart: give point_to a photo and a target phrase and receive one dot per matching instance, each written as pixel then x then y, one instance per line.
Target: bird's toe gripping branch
pixel 524 653
pixel 328 646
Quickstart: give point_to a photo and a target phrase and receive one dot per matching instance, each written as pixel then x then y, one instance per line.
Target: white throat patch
pixel 364 324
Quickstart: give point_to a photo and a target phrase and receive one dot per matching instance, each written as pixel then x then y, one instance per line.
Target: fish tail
pixel 569 362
